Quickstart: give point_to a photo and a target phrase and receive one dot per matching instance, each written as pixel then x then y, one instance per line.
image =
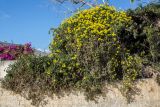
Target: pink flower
pixel 11 52
pixel 1 49
pixel 6 56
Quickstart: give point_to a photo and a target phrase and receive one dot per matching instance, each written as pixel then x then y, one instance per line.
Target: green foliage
pixel 158 79
pixel 27 77
pixel 143 36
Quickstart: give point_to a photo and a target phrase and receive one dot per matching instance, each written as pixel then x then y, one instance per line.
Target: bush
pixel 87 51
pixel 143 37
pixel 27 77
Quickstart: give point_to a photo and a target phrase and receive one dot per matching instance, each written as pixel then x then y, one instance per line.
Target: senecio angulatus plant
pixel 87 51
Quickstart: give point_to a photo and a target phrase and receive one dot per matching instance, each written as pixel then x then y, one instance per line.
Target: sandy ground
pixel 149 97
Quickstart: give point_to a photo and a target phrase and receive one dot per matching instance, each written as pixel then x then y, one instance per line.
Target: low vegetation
pixel 27 77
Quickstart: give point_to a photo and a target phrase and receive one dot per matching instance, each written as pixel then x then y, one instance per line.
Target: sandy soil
pixel 149 97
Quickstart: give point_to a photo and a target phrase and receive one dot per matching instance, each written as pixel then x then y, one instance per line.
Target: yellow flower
pixel 69 68
pixel 48 63
pixel 58 51
pixel 54 61
pixel 74 57
pixel 114 39
pixel 63 65
pixel 77 64
pixel 113 34
pixel 99 39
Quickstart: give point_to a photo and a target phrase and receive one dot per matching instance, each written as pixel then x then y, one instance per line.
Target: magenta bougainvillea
pixel 12 51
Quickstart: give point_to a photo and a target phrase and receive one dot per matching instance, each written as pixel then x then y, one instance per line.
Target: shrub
pixel 143 37
pixel 87 51
pixel 27 77
pixel 12 52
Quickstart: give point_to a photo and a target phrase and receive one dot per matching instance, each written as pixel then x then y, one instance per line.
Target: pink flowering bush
pixel 12 51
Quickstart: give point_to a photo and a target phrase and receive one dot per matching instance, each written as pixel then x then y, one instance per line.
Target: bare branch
pixel 75 2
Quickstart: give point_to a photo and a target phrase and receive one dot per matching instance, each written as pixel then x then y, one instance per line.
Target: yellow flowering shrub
pixel 87 50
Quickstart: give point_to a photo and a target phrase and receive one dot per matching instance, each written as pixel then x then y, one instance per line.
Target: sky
pixel 23 21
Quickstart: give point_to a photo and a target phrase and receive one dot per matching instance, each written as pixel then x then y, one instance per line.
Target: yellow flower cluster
pixel 92 32
pixel 97 22
pixel 131 65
